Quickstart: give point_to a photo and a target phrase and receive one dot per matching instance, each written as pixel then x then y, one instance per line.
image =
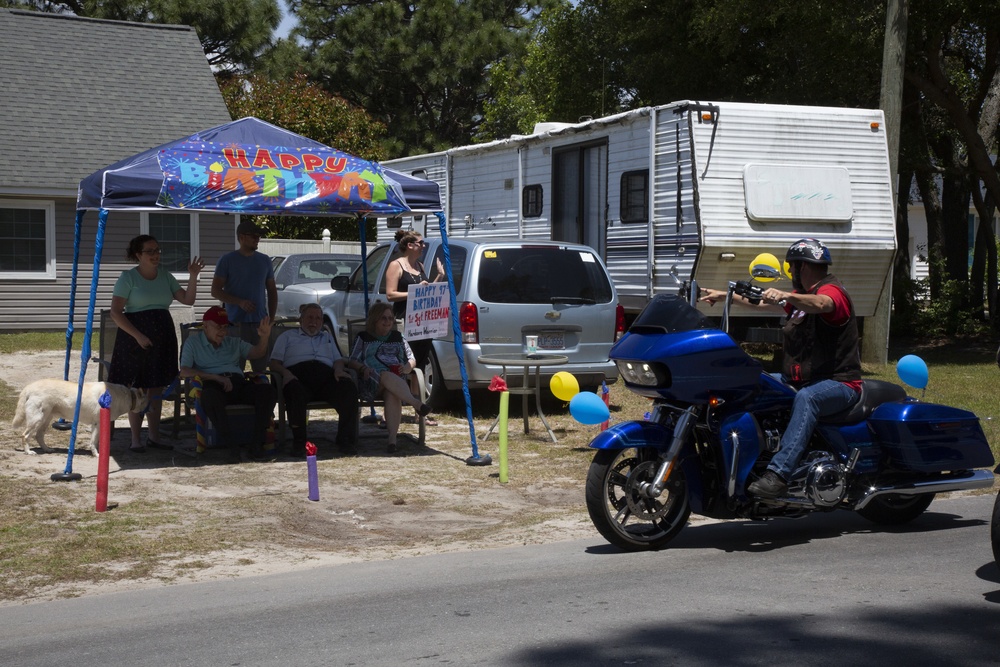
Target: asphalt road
pixel 825 590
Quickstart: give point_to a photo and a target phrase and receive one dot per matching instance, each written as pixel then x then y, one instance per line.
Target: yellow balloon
pixel 788 270
pixel 564 386
pixel 768 260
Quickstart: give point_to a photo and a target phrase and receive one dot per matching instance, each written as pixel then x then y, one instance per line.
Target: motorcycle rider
pixel 821 353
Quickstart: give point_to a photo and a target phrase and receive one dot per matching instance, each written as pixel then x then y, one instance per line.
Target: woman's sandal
pixel 141 449
pixel 156 445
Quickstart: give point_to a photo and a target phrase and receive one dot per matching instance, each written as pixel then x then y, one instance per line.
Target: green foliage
pixel 233 32
pixel 38 341
pixel 948 314
pixel 307 109
pixel 599 57
pixel 421 67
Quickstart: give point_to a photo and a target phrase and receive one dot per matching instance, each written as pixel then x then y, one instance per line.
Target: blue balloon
pixel 588 408
pixel 912 370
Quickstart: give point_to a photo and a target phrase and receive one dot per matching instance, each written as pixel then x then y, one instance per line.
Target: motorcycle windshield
pixel 668 313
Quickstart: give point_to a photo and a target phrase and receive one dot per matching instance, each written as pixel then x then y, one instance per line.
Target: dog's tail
pixel 19 414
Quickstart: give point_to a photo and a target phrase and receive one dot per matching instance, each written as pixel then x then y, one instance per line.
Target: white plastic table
pixel 526 362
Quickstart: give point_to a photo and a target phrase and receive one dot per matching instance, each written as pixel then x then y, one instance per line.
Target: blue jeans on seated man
pixel 820 399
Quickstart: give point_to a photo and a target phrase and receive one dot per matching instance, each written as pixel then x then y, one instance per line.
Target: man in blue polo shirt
pixel 218 360
pixel 312 368
pixel 244 281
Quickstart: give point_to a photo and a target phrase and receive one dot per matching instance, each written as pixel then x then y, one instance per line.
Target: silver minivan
pixel 505 291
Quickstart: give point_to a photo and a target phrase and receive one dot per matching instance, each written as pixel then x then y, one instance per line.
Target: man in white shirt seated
pixel 312 368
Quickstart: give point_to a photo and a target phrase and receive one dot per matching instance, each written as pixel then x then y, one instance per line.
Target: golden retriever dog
pixel 44 400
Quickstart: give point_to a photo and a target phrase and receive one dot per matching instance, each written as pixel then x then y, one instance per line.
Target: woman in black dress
pixel 145 352
pixel 402 272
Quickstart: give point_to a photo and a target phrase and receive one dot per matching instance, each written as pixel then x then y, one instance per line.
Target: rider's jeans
pixel 813 401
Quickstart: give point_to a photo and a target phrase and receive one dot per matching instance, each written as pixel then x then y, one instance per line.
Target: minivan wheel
pixel 437 393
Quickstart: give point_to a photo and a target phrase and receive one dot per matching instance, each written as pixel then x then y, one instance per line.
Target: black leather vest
pixel 816 350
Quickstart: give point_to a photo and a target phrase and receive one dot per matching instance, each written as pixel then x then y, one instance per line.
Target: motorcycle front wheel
pixel 621 514
pixel 995 530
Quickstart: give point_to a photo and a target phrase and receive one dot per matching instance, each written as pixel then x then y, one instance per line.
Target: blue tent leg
pixel 61 424
pixel 68 474
pixel 373 417
pixel 475 459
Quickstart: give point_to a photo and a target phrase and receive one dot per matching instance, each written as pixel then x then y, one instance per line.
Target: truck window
pixel 375 260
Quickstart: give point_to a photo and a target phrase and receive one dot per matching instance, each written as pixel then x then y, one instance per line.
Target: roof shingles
pixel 79 94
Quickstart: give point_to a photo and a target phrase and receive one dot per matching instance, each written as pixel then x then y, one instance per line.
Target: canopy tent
pixel 135 183
pixel 249 166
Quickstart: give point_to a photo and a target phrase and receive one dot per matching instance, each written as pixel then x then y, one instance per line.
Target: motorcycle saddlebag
pixel 926 437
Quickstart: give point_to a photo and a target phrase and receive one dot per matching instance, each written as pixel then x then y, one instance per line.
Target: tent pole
pixel 72 287
pixel 61 424
pixel 68 474
pixel 373 417
pixel 475 459
pixel 364 258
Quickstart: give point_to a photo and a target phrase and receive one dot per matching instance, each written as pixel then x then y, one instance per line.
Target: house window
pixel 531 201
pixel 635 196
pixel 27 239
pixel 175 232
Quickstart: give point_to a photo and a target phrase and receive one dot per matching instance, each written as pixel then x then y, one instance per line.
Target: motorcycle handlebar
pixel 752 293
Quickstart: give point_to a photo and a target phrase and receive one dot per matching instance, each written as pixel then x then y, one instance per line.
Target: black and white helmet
pixel 808 250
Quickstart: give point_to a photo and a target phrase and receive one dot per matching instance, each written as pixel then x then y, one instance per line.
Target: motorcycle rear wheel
pixel 893 510
pixel 995 530
pixel 621 515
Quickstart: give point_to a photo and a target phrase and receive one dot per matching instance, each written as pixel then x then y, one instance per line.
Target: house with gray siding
pixel 78 94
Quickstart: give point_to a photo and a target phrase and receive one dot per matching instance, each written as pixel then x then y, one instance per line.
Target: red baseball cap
pixel 216 314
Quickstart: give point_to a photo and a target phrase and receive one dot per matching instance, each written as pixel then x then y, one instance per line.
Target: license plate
pixel 551 341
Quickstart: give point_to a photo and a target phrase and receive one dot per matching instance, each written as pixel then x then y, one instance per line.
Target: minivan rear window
pixel 542 274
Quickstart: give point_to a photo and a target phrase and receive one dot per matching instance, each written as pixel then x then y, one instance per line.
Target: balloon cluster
pixel 585 406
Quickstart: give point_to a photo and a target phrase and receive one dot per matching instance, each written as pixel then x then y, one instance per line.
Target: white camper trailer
pixel 684 191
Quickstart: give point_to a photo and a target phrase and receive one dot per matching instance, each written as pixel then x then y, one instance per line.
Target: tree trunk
pixel 977 275
pixel 955 222
pixel 902 296
pixel 935 232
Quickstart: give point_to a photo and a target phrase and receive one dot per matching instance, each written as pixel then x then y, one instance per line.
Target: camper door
pixel 580 194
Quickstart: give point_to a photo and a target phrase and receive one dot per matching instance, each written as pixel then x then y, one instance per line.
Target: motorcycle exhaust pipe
pixel 965 481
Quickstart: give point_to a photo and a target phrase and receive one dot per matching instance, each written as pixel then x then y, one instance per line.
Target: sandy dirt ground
pixel 372 506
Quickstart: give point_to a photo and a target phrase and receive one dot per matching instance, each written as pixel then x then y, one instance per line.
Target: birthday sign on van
pixel 259 179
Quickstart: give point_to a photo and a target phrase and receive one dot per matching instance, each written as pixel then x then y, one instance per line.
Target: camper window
pixel 634 196
pixel 531 201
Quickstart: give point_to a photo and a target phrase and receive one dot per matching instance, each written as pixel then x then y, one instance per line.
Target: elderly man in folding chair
pixel 218 360
pixel 311 368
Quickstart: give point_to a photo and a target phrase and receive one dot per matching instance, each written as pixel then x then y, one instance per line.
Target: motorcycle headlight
pixel 644 373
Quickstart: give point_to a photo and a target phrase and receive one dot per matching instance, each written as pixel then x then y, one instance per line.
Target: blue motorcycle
pixel 717 418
